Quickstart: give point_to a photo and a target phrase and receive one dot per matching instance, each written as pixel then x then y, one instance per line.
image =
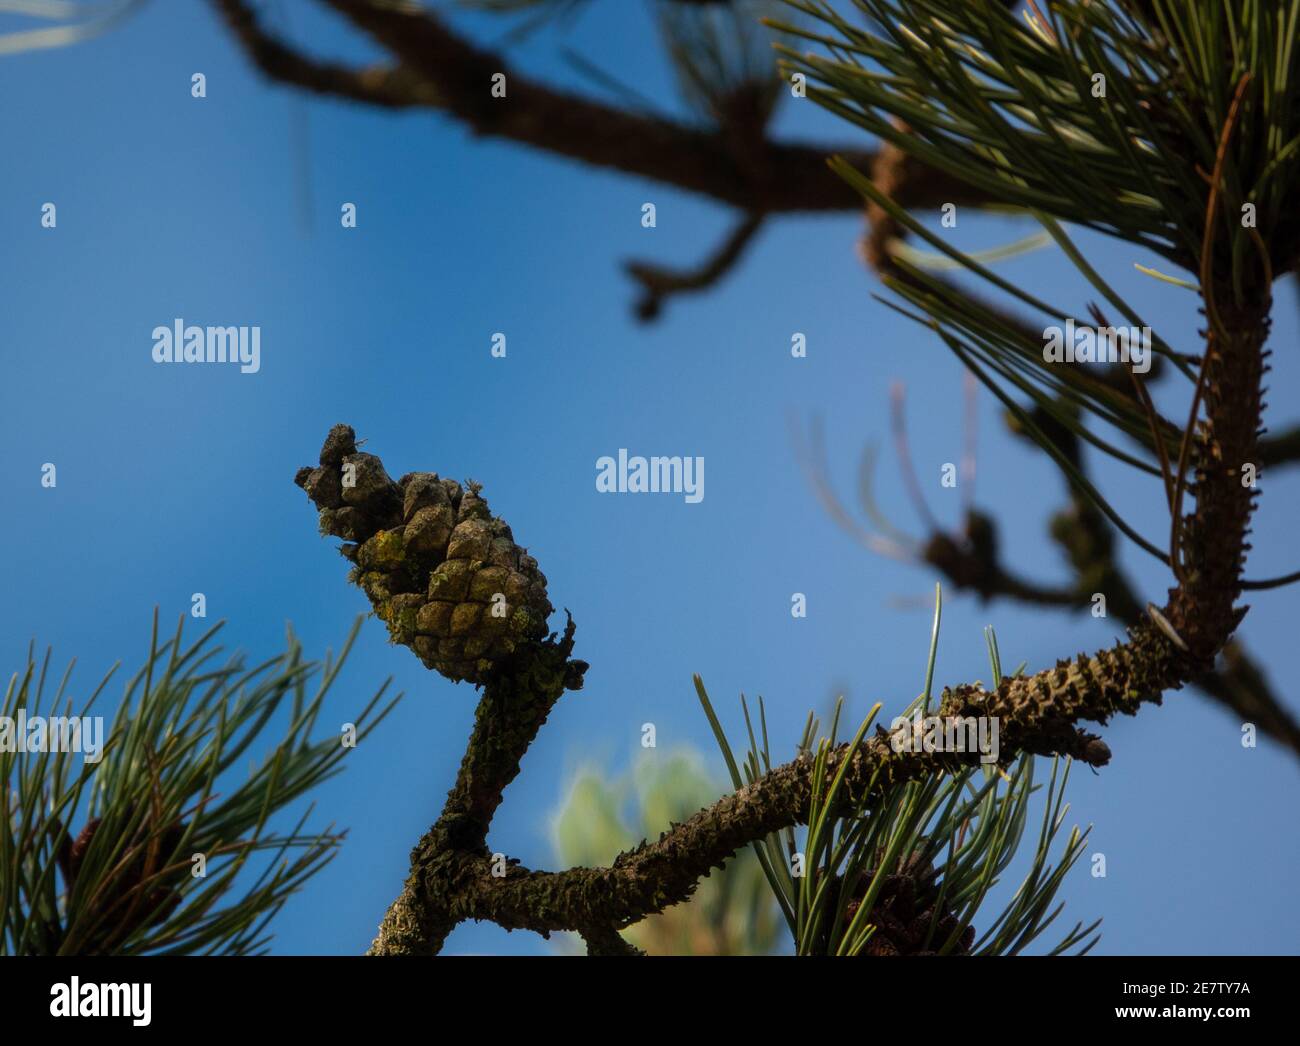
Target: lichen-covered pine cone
pixel 441 571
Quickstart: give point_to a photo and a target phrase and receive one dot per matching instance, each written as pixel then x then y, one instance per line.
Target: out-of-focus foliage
pixel 67 23
pixel 733 911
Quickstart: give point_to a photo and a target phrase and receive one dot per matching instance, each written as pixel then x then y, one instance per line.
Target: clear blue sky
pixel 176 480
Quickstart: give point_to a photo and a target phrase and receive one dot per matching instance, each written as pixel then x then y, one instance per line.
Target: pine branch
pixel 1083 532
pixel 434 68
pixel 454 878
pixel 1038 714
pixel 659 283
pixel 1008 73
pixel 161 796
pixel 386 86
pixel 1238 682
pixel 1281 449
pixel 1001 117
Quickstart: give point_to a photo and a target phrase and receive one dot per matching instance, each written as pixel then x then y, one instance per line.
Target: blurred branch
pixel 435 68
pixel 1282 449
pixel 659 283
pixel 972 564
pixel 388 86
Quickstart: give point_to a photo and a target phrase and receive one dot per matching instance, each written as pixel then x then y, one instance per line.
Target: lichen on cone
pixel 442 572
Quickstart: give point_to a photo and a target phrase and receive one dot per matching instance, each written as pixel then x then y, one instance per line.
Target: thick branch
pixel 514 706
pixel 1038 714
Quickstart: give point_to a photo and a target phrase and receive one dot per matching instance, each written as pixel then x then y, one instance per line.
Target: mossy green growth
pixel 402 622
pixel 385 551
pixel 375 585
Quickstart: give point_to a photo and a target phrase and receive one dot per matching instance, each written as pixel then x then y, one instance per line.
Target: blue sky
pixel 174 480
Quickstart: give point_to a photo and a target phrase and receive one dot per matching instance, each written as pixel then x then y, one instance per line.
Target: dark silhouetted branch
pixel 435 68
pixel 659 283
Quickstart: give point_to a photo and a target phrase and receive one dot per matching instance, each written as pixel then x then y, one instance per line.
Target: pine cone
pixel 904 910
pixel 440 570
pixel 124 908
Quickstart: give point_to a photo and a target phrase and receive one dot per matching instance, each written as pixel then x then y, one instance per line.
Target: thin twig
pixel 897 397
pixel 658 283
pixel 970 403
pixel 813 460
